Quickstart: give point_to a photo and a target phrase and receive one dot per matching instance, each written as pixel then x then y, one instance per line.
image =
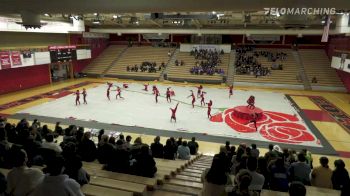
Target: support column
pixel 283 39
pixel 171 38
pixel 139 38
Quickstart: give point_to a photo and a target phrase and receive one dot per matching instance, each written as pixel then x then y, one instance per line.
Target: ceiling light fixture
pixel 95 14
pixel 115 16
pixel 47 14
pixel 213 12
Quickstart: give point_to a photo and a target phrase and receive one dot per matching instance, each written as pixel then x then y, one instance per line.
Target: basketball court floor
pixel 318 121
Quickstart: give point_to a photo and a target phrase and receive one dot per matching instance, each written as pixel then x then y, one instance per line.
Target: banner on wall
pixel 5 60
pixel 16 58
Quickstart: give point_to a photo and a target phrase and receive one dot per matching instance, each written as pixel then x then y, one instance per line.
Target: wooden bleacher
pixel 182 73
pixel 104 60
pixel 286 76
pixel 137 55
pixel 317 64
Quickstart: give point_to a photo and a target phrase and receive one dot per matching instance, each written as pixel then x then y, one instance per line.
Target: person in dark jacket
pixel 87 148
pixel 104 150
pixel 193 145
pixel 145 164
pixel 169 152
pixel 157 148
pixel 340 178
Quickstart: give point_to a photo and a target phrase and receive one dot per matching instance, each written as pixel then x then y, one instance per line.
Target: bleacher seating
pixel 182 73
pixel 317 65
pixel 104 60
pixel 286 76
pixel 137 55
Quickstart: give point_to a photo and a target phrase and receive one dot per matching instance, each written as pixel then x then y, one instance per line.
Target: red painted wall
pixel 23 78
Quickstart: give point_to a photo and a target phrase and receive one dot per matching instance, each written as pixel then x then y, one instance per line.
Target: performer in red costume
pixel 108 89
pixel 202 98
pixel 156 93
pixel 230 91
pixel 119 92
pixel 154 88
pixel 253 120
pixel 193 98
pixel 168 95
pixel 199 91
pixel 146 87
pixel 209 108
pixel 251 102
pixel 125 85
pixel 77 97
pixel 84 95
pixel 173 113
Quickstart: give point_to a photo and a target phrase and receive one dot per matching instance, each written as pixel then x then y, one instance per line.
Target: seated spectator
pixel 22 180
pixel 215 178
pixel 127 68
pixel 193 145
pixel 169 152
pixel 183 151
pixel 321 175
pixel 99 136
pixel 243 182
pixel 279 176
pixel 121 138
pixel 179 141
pixel 73 164
pixel 127 143
pixel 104 150
pixel 87 148
pixel 254 152
pixel 257 182
pixel 111 141
pixel 176 62
pixel 50 144
pixel 300 171
pixel 56 183
pixel 145 164
pixel 58 129
pixel 340 178
pixel 119 160
pixel 157 148
pixel 297 189
pixel 136 147
pixel 308 157
pixel 4 149
pixel 314 80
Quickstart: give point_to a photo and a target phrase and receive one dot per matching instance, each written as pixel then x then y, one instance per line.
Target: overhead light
pixel 96 22
pixel 323 21
pixel 47 14
pixel 213 12
pixel 115 16
pixel 95 14
pixel 137 22
pixel 119 34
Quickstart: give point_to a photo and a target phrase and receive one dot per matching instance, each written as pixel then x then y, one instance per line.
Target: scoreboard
pixel 62 53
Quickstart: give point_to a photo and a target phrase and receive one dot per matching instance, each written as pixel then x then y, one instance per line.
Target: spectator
pixel 50 144
pixel 314 80
pixel 300 171
pixel 100 133
pixel 227 146
pixel 73 165
pixel 183 151
pixel 56 183
pixel 257 182
pixel 223 155
pixel 87 148
pixel 3 184
pixel 193 145
pixel 279 176
pixel 179 141
pixel 119 160
pixel 121 138
pixel 4 149
pixel 263 170
pixel 236 159
pixel 271 154
pixel 157 148
pixel 243 182
pixel 321 175
pixel 145 164
pixel 58 129
pixel 254 152
pixel 111 141
pixel 136 147
pixel 340 178
pixel 104 150
pixel 22 180
pixel 215 179
pixel 297 189
pixel 127 142
pixel 308 157
pixel 169 150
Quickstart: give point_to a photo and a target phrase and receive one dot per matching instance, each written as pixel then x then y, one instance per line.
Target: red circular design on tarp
pixel 274 126
pixel 246 113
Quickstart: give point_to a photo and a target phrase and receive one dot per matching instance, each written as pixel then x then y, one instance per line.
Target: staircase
pixel 167 65
pixel 302 73
pixel 114 62
pixel 231 68
pixel 188 181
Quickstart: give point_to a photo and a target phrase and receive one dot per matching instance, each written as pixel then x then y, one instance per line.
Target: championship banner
pixel 16 58
pixel 5 60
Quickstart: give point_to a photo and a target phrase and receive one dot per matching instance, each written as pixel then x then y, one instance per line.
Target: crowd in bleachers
pixel 23 146
pixel 207 62
pixel 150 67
pixel 247 61
pixel 276 170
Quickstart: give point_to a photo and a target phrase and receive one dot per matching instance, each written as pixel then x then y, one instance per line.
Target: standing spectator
pixel 263 170
pixel 169 152
pixel 58 129
pixel 145 164
pixel 271 154
pixel 340 178
pixel 321 175
pixel 55 183
pixel 254 152
pixel 300 171
pixel 50 144
pixel 87 148
pixel 279 176
pixel 183 151
pixel 236 159
pixel 157 148
pixel 257 179
pixel 227 146
pixel 22 180
pixel 193 145
pixel 215 179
